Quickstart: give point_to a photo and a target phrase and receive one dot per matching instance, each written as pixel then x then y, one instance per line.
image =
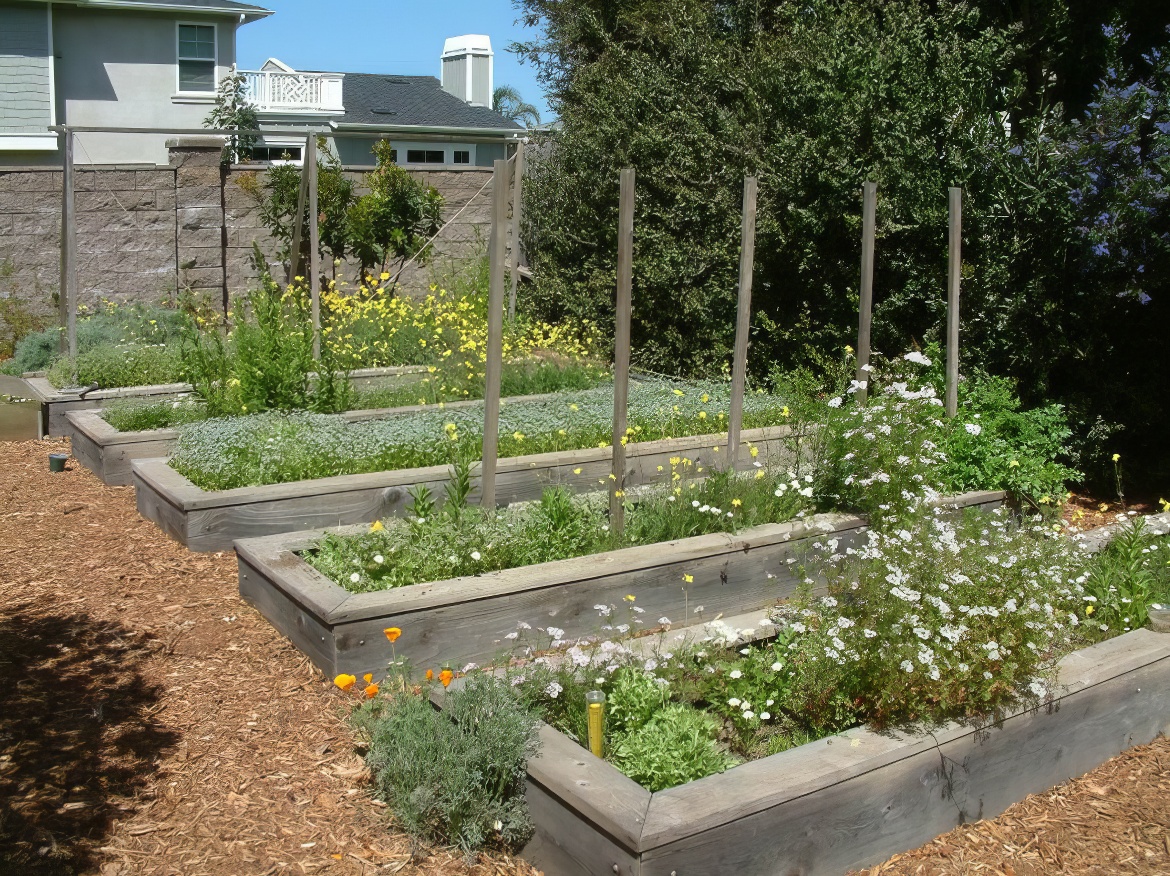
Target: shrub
pixel 455 776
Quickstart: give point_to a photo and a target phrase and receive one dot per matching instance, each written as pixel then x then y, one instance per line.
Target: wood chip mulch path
pixel 152 723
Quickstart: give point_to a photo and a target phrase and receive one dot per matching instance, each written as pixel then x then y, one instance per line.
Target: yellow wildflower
pixel 377 526
pixel 345 682
pixel 688 579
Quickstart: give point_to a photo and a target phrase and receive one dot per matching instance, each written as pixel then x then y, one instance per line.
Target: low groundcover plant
pixel 437 543
pixel 220 454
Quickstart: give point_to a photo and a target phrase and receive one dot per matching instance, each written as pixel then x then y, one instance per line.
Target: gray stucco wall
pixel 359 151
pixel 119 68
pixel 24 68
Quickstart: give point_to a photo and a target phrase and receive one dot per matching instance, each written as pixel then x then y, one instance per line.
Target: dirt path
pixel 152 723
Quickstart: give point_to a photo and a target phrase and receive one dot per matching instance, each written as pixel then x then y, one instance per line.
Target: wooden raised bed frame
pixel 850 800
pixel 211 520
pixel 466 619
pixel 55 404
pixel 108 452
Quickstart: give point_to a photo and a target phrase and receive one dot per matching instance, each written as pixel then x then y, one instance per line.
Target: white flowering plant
pixel 947 615
pixel 876 457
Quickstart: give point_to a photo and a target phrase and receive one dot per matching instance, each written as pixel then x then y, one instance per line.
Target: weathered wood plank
pixel 469 619
pixel 880 811
pixel 865 309
pixel 954 277
pixel 303 627
pixel 565 845
pixel 621 349
pixel 493 366
pixel 219 517
pixel 743 317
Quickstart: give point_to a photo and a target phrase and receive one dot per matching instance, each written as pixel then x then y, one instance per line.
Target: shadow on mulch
pixel 77 736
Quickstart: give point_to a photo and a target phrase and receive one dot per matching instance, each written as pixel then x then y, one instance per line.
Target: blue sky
pixel 377 36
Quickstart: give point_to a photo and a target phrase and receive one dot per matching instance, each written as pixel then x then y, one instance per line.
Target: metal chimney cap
pixel 468 44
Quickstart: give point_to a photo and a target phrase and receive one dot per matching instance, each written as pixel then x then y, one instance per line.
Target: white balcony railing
pixel 279 92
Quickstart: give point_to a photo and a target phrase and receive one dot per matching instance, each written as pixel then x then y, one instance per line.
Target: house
pixel 447 122
pixel 157 64
pixel 110 63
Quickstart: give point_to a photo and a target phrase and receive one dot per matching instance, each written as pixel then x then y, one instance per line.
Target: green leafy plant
pixel 455 776
pixel 676 746
pixel 233 111
pixel 1129 575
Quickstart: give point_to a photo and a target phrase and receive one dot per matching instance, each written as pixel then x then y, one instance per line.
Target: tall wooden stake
pixel 294 261
pixel 310 170
pixel 868 214
pixel 495 338
pixel 517 202
pixel 67 295
pixel 955 247
pixel 621 349
pixel 743 319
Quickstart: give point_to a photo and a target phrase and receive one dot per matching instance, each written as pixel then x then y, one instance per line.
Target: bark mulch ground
pixel 152 723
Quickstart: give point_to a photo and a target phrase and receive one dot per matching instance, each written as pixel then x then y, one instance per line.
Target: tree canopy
pixel 1049 114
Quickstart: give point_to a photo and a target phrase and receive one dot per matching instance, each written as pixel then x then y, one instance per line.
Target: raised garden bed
pixel 108 452
pixel 848 800
pixel 466 619
pixel 207 520
pixel 55 404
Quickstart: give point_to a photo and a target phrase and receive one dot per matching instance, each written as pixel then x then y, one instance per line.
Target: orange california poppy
pixel 368 677
pixel 371 691
pixel 446 676
pixel 345 682
pixel 392 633
pixel 430 675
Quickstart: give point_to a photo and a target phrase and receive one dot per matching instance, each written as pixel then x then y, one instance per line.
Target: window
pixel 461 156
pixel 424 156
pixel 283 154
pixel 197 57
pixel 394 156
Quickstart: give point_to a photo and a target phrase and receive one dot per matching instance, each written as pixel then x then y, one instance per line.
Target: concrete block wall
pixel 143 232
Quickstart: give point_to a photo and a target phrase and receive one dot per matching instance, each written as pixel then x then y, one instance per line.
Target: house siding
pixel 25 83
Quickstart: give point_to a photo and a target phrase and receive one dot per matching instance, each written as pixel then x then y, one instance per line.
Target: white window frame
pixel 214 61
pixel 284 144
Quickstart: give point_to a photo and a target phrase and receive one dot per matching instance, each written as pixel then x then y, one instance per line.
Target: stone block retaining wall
pixel 144 232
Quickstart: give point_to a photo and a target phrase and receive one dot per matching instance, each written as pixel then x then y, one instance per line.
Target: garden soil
pixel 150 722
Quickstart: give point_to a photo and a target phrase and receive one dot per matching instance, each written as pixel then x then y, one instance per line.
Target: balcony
pixel 272 91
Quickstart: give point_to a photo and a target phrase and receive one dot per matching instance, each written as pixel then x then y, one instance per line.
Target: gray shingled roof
pixel 383 99
pixel 246 8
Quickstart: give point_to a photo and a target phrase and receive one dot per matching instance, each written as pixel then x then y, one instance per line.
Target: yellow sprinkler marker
pixel 595 699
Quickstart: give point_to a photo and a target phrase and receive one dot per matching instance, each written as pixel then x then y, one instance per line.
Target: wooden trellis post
pixel 294 261
pixel 743 319
pixel 621 349
pixel 67 294
pixel 517 202
pixel 495 337
pixel 955 264
pixel 868 221
pixel 310 170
